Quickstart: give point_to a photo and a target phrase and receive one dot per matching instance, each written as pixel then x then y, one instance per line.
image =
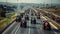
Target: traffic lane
pixel 34 31
pixel 52 31
pixel 19 30
pixel 41 30
pixel 56 31
pixel 45 32
pixel 36 28
pixel 10 28
pixel 48 32
pixel 22 30
pixel 40 21
pixel 15 29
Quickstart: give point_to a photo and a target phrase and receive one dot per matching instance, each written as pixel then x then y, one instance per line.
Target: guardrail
pixel 53 17
pixel 7 26
pixel 53 22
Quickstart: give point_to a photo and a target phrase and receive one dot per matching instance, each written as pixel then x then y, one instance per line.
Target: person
pixel 46 26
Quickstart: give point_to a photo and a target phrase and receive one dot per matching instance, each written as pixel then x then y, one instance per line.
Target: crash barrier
pixel 7 26
pixel 53 22
pixel 52 19
pixel 51 16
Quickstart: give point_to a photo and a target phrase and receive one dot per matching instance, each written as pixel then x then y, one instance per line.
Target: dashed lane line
pixel 17 30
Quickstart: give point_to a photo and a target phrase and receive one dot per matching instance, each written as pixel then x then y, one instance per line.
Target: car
pixel 46 26
pixel 33 21
pixel 26 17
pixel 18 19
pixel 32 14
pixel 38 16
pixel 22 14
pixel 23 24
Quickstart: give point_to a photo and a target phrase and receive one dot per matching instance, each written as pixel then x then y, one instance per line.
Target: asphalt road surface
pixel 31 28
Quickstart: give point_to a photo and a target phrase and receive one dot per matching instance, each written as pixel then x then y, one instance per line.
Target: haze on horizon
pixel 32 1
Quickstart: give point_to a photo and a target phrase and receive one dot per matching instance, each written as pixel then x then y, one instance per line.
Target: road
pixel 31 28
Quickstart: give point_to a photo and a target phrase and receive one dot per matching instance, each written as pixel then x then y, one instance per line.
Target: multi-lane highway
pixel 31 28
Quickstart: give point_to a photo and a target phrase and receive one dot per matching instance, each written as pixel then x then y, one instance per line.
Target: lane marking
pixel 29 28
pixel 29 22
pixel 17 30
pixel 29 31
pixel 14 29
pixel 8 28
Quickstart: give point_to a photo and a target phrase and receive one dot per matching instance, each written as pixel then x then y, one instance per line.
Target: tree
pixel 2 11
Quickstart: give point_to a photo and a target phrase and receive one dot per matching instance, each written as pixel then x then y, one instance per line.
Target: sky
pixel 31 1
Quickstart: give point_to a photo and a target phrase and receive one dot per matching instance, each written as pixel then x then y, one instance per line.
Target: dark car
pixel 38 16
pixel 33 21
pixel 18 19
pixel 32 14
pixel 22 14
pixel 23 24
pixel 26 17
pixel 46 26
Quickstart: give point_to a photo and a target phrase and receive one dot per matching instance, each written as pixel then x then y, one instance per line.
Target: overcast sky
pixel 31 1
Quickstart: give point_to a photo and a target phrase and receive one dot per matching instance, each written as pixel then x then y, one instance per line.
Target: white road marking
pixel 29 31
pixel 17 30
pixel 8 28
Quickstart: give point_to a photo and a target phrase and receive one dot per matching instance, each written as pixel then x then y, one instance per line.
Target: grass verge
pixel 4 22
